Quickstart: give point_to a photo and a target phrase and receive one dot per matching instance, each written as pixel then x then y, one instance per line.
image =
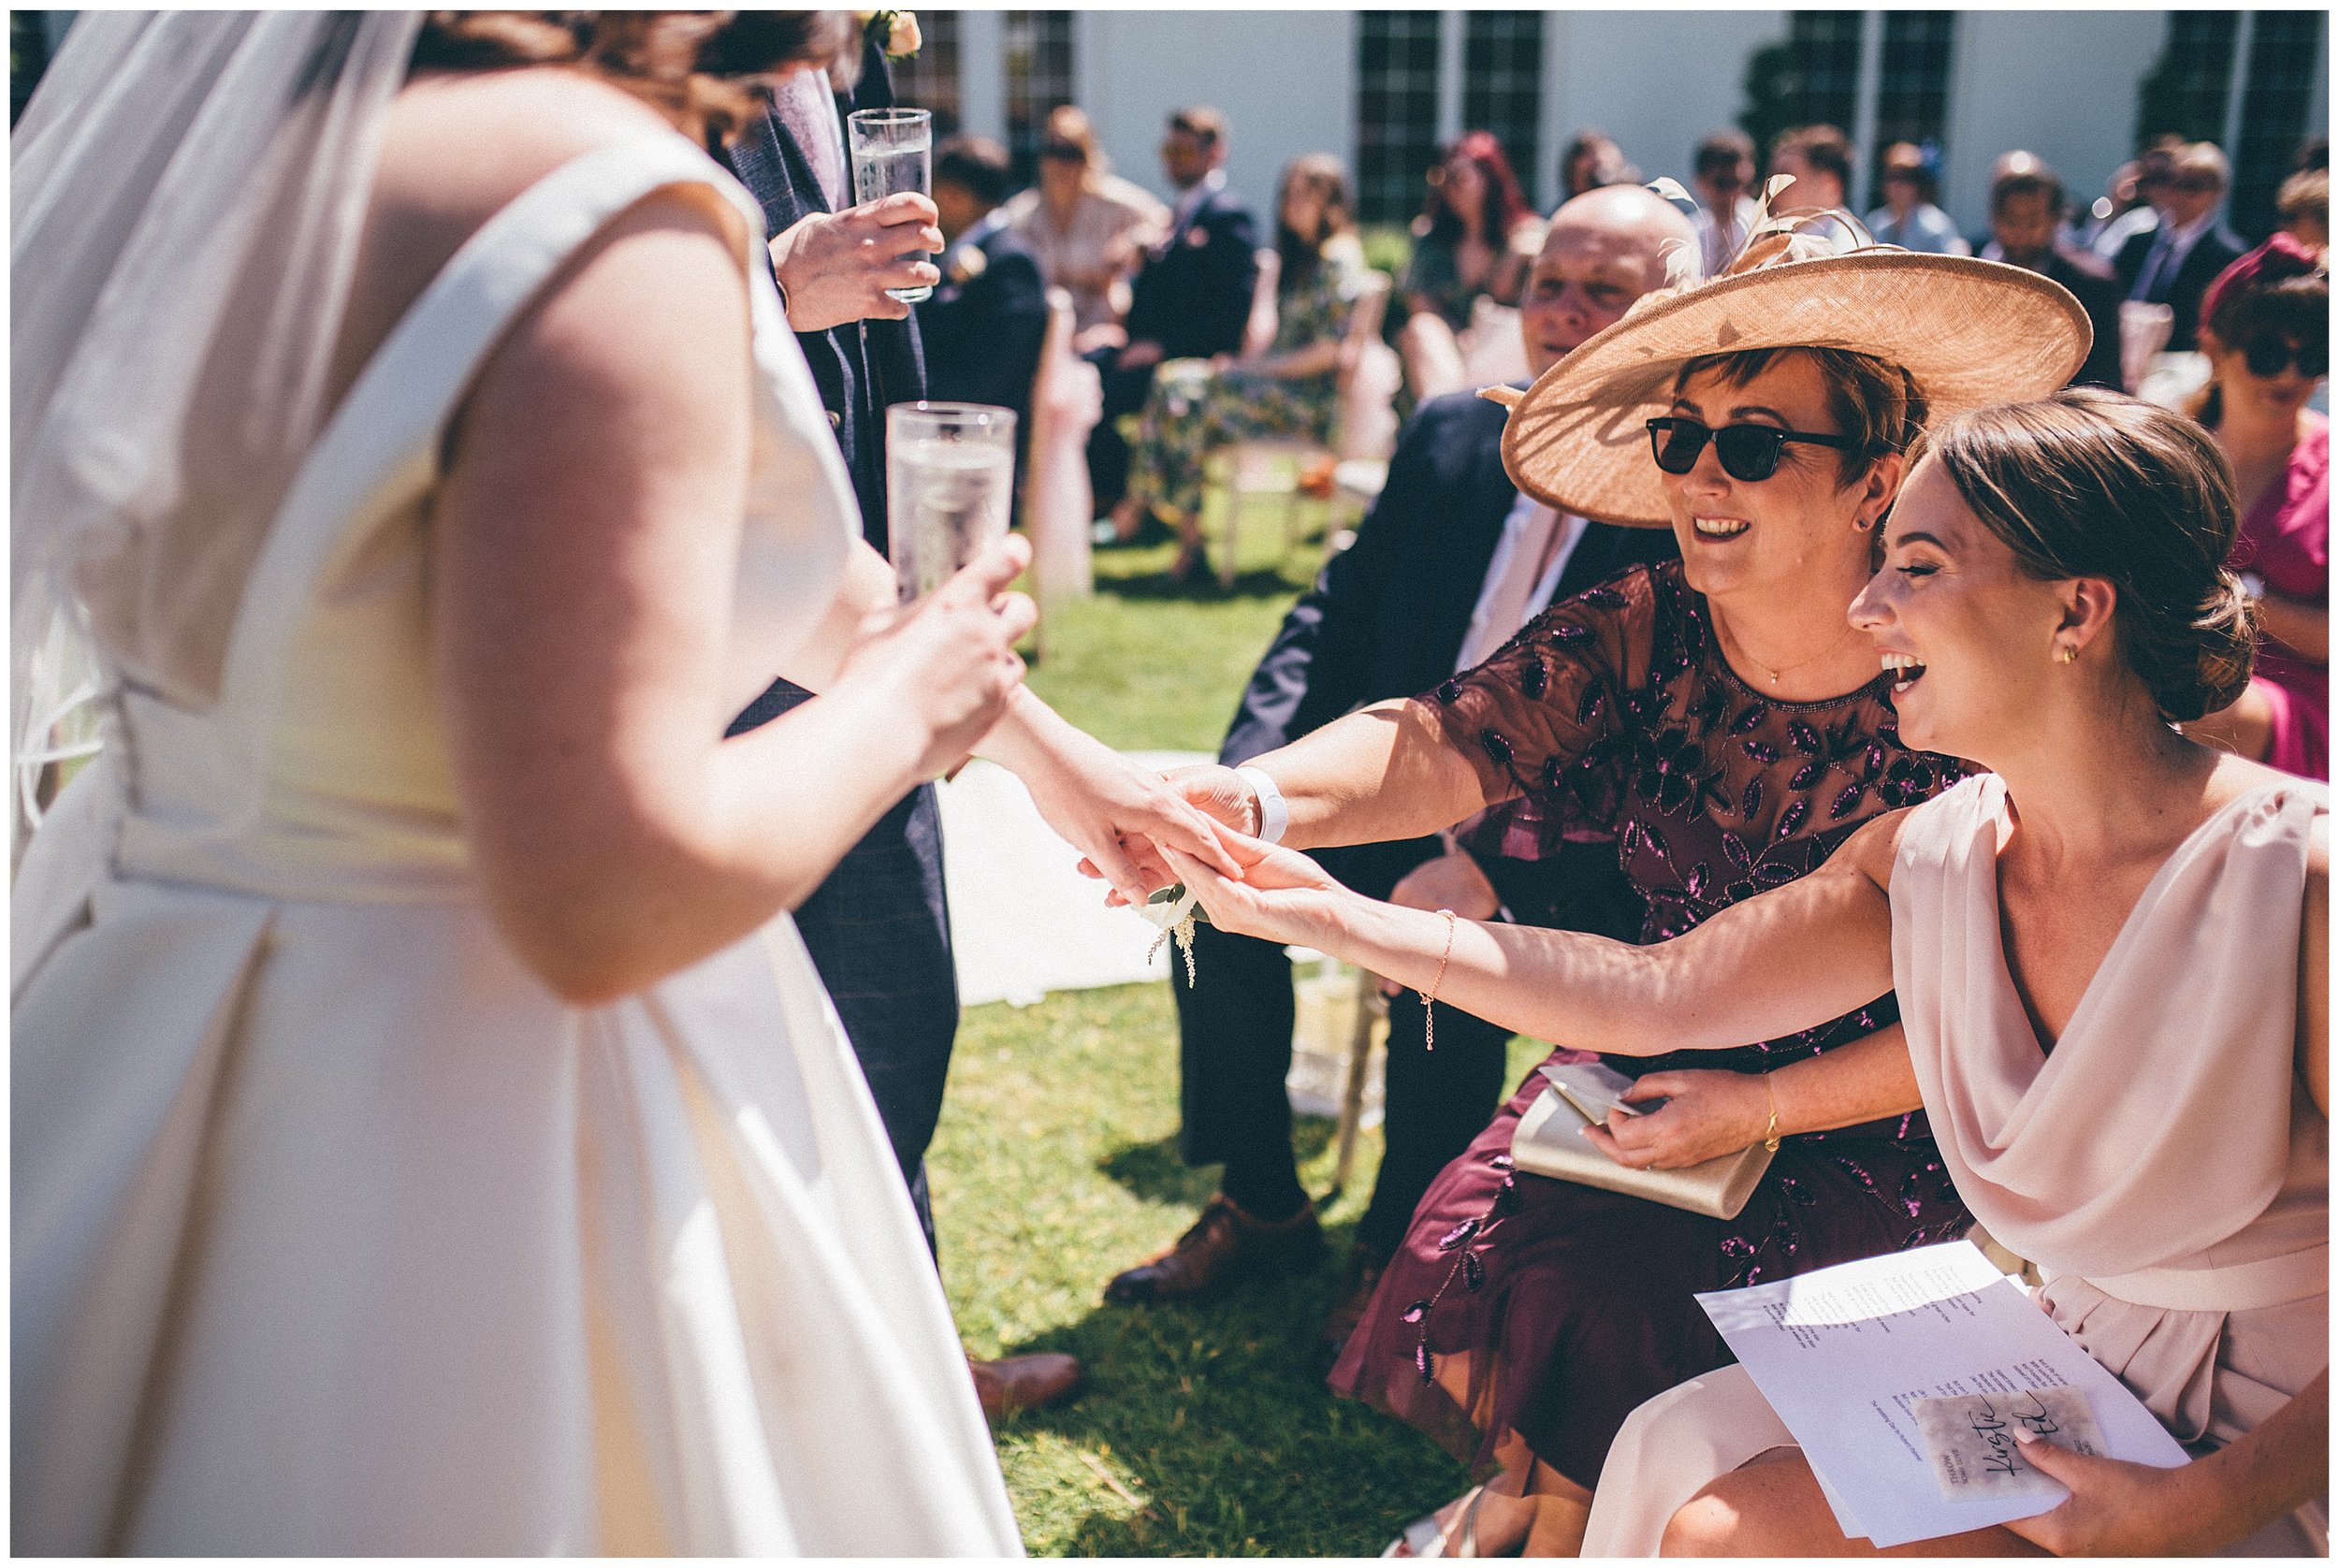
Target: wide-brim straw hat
pixel 1971 333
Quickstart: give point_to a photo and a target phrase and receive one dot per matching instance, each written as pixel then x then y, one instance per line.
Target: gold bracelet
pixel 1429 1018
pixel 1770 1133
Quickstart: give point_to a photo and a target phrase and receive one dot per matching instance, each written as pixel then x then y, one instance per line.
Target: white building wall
pixel 1657 81
pixel 1286 82
pixel 2061 84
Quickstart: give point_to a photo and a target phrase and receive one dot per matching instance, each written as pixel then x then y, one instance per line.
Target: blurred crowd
pixel 1209 331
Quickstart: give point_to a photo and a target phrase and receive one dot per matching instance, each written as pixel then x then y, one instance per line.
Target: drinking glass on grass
pixel 949 482
pixel 892 151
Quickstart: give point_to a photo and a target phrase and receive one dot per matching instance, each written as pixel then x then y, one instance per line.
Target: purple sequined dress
pixel 1616 711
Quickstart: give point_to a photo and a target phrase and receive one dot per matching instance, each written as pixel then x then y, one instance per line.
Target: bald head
pixel 1604 250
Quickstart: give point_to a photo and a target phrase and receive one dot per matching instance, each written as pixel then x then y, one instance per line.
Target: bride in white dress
pixel 429 1134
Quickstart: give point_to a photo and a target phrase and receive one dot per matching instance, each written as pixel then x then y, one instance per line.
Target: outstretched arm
pixel 1105 805
pixel 1785 960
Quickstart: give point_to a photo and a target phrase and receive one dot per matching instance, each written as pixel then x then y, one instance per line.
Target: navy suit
pixel 1192 297
pixel 862 366
pixel 2211 254
pixel 984 325
pixel 1385 619
pixel 877 928
pixel 2099 297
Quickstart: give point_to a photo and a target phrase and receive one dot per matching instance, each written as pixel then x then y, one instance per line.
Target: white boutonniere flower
pixel 1173 911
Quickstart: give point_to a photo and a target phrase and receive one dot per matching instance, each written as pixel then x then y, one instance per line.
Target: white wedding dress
pixel 335 1231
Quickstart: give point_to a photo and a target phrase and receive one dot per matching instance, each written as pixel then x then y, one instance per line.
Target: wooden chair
pixel 1066 401
pixel 1244 475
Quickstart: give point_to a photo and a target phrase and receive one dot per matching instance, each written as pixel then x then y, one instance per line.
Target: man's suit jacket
pixel 1387 615
pixel 862 366
pixel 1193 295
pixel 983 328
pixel 2211 254
pixel 2101 297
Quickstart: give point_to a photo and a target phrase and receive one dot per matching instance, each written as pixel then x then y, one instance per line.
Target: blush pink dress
pixel 2164 1166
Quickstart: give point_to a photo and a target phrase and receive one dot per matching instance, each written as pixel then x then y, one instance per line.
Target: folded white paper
pixel 1849 1356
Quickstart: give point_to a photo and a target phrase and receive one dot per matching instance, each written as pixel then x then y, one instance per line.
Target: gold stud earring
pixel 2069 654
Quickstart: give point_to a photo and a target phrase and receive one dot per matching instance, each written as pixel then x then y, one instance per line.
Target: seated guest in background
pixel 1722 720
pixel 1449 563
pixel 2027 228
pixel 1590 160
pixel 1723 174
pixel 1819 159
pixel 1475 239
pixel 2173 265
pixel 1191 299
pixel 2266 328
pixel 1909 217
pixel 2305 204
pixel 984 321
pixel 1292 390
pixel 1088 226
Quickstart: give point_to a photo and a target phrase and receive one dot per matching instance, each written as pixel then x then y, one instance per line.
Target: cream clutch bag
pixel 1550 1141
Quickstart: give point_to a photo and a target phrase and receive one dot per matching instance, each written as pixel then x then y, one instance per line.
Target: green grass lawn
pixel 1204 1429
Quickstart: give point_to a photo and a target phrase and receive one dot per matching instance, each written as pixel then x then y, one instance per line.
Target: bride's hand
pixel 1284 897
pixel 949 663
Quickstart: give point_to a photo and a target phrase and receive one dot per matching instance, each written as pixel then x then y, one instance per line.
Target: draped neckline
pixel 2138 917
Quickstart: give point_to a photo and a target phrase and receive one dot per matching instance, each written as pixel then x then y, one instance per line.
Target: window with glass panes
pixel 1502 86
pixel 1826 51
pixel 928 79
pixel 2185 92
pixel 1397 54
pixel 2279 91
pixel 1039 79
pixel 1912 87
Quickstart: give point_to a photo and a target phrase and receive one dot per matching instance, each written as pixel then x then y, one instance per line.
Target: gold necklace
pixel 1777 675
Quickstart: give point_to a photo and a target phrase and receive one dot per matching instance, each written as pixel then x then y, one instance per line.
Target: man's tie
pixel 2151 286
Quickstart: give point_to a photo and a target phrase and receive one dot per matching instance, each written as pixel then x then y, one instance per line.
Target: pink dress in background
pixel 2164 1166
pixel 2286 540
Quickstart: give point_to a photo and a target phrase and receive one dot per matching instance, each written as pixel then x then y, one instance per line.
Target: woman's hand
pixel 1706 1114
pixel 1284 897
pixel 1115 812
pixel 2119 1509
pixel 949 664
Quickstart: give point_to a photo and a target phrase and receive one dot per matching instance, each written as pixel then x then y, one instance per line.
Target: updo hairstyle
pixel 687 65
pixel 1877 405
pixel 2092 484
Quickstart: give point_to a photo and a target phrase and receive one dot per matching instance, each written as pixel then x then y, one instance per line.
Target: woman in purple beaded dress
pixel 1722 721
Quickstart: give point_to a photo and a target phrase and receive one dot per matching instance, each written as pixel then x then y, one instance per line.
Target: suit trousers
pixel 1126 392
pixel 1235 1025
pixel 879 931
pixel 1236 1021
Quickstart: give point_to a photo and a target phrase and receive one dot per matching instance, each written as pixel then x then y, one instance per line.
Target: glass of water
pixel 893 150
pixel 950 483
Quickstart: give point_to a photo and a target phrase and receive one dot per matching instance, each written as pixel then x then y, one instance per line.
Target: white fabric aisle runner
pixel 1024 920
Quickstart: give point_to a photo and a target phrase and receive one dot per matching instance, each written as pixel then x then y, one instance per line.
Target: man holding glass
pixel 878 929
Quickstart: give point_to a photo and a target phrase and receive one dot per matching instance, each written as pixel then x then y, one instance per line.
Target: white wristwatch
pixel 1273 815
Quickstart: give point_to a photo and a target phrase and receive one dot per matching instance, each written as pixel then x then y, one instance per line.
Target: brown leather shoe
pixel 1024 1382
pixel 1224 1244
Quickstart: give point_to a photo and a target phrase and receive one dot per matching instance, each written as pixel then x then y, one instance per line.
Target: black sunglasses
pixel 2268 357
pixel 1747 452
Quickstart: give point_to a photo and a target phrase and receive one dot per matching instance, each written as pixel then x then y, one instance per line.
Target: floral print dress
pixel 1616 710
pixel 1193 410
